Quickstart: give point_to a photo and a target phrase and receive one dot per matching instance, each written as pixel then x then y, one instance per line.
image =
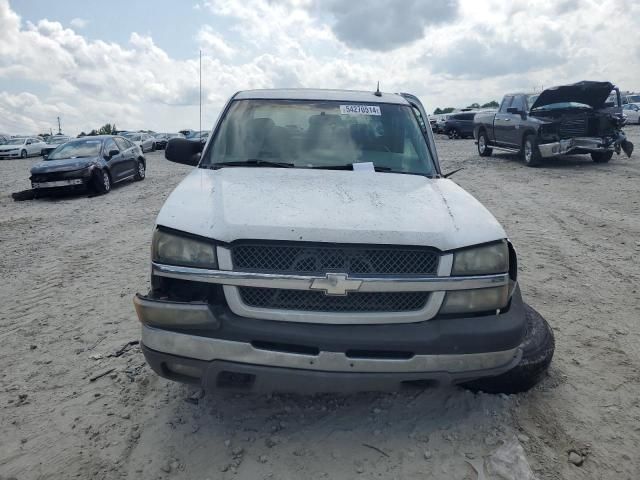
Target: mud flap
pixel 627 147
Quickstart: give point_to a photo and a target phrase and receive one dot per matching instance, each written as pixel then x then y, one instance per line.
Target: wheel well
pixel 141 159
pixel 526 134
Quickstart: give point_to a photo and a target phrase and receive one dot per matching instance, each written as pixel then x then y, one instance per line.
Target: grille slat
pixel 314 259
pixel 306 300
pixel 574 127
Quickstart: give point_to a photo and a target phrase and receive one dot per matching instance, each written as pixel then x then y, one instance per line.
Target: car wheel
pixel 483 149
pixel 140 171
pixel 453 133
pixel 101 181
pixel 537 351
pixel 601 157
pixel 531 152
pixel 23 154
pixel 153 147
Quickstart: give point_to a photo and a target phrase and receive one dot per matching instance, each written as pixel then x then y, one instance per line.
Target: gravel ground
pixel 70 267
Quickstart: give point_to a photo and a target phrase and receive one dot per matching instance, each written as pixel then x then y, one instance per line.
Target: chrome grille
pixel 307 300
pixel 574 127
pixel 349 259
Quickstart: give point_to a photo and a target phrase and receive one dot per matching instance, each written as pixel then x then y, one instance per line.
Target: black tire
pixel 537 351
pixel 141 171
pixel 153 147
pixel 453 133
pixel 531 152
pixel 23 154
pixel 483 149
pixel 101 181
pixel 601 157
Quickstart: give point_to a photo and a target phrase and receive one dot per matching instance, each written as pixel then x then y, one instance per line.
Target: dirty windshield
pixel 321 134
pixel 79 149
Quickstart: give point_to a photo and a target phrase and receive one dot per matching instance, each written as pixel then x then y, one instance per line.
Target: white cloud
pixel 78 23
pixel 213 44
pixel 475 52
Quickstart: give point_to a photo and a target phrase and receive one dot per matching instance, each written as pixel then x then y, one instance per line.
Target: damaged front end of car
pixel 585 117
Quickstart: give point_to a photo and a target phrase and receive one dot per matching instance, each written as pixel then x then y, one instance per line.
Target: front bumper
pixel 575 145
pixel 6 154
pixel 214 345
pixel 72 180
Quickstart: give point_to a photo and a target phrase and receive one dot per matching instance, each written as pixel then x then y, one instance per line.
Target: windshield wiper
pixel 349 166
pixel 251 162
pixel 377 168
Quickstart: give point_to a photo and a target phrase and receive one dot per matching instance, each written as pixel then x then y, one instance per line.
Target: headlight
pixel 472 301
pixel 175 249
pixel 483 260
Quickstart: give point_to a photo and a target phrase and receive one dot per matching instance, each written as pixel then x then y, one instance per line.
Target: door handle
pixel 507 119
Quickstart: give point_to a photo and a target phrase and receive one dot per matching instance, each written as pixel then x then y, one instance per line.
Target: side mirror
pixel 181 150
pixel 113 153
pixel 513 110
pixel 45 156
pixel 28 142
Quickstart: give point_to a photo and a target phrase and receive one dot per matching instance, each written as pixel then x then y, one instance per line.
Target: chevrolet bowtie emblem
pixel 336 284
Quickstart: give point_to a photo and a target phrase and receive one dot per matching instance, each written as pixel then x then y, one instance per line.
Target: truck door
pixel 502 122
pixel 515 114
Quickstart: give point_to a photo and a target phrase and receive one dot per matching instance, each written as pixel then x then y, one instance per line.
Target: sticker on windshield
pixel 359 110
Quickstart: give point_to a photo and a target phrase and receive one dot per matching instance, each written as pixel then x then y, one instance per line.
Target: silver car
pixel 146 142
pixel 21 147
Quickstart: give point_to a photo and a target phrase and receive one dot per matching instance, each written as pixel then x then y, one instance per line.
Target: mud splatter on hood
pixel 328 206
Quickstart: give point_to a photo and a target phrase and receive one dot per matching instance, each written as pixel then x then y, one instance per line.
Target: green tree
pixel 447 110
pixel 474 105
pixel 106 129
pixel 92 133
pixel 491 104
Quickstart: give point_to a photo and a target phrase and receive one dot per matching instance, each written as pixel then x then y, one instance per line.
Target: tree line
pixel 106 129
pixel 491 104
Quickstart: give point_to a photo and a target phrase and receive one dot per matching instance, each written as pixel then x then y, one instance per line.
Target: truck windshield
pixel 320 134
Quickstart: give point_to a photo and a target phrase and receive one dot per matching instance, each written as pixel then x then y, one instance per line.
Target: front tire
pixel 23 154
pixel 453 133
pixel 537 351
pixel 140 171
pixel 153 147
pixel 531 152
pixel 483 149
pixel 102 181
pixel 601 157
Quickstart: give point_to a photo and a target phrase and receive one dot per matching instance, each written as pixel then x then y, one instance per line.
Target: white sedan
pixel 22 147
pixel 146 142
pixel 632 112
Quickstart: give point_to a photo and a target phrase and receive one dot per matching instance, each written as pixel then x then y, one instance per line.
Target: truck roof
pixel 320 94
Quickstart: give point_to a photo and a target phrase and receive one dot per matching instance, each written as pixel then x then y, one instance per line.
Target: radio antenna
pixel 200 127
pixel 378 93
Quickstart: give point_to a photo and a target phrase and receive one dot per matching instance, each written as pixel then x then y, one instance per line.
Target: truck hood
pixel 62 165
pixel 590 93
pixel 327 206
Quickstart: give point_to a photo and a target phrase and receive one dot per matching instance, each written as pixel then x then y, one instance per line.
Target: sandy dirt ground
pixel 70 267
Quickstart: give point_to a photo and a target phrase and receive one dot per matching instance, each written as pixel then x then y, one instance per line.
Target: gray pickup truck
pixel 585 117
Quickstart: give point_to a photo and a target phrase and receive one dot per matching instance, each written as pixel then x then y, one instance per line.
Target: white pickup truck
pixel 317 246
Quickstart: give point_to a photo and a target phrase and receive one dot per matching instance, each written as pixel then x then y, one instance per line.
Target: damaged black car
pixel 582 118
pixel 93 163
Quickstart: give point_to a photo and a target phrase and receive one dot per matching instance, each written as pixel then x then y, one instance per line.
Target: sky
pixel 136 64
